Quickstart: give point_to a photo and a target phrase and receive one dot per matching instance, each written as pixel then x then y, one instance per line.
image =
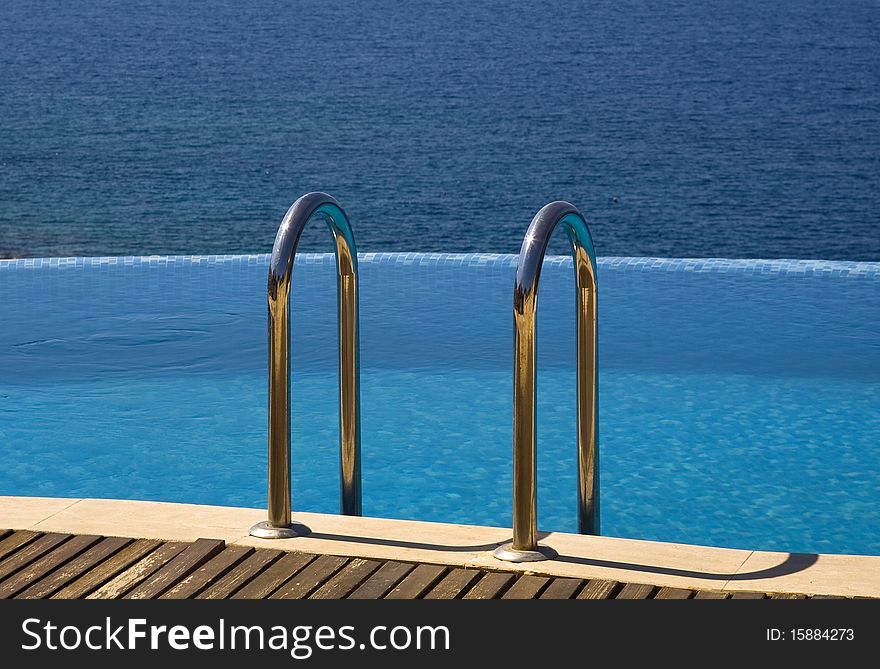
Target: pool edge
pixel 611 558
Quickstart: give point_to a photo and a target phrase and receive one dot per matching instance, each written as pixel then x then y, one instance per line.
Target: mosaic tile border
pixel 782 267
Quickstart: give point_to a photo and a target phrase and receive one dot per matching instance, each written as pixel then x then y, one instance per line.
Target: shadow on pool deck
pixel 793 563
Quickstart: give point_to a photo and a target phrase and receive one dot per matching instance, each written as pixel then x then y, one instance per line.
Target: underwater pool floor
pixel 741 461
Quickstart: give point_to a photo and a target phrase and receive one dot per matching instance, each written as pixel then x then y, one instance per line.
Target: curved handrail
pixel 525 302
pixel 280 271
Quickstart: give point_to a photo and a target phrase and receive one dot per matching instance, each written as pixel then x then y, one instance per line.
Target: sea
pixel 683 128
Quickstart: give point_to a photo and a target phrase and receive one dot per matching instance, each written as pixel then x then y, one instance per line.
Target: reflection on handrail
pixel 279 524
pixel 524 547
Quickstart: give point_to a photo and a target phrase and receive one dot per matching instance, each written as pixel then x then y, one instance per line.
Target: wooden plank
pixel 4 534
pixel 636 591
pixel 454 584
pixel 748 595
pixel 492 585
pixel 104 571
pixel 275 576
pixel 787 595
pixel 562 588
pixel 139 571
pixel 240 574
pixel 30 553
pixel 46 564
pixel 352 575
pixel 417 582
pixel 377 585
pixel 597 588
pixel 311 578
pixel 711 594
pixel 16 540
pixel 50 584
pixel 191 558
pixel 674 593
pixel 527 586
pixel 215 569
pixel 827 597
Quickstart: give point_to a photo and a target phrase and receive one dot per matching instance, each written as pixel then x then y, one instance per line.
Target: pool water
pixel 166 400
pixel 695 458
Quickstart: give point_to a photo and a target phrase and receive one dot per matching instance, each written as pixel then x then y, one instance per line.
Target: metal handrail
pixel 524 547
pixel 279 524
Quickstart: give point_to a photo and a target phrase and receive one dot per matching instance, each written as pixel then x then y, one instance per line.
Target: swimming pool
pixel 739 400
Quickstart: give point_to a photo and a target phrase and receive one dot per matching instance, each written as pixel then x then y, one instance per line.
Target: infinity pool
pixel 739 400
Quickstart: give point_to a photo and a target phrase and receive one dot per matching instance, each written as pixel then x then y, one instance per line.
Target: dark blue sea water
pixel 735 128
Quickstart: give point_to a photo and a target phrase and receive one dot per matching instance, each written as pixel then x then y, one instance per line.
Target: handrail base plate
pixel 265 530
pixel 508 553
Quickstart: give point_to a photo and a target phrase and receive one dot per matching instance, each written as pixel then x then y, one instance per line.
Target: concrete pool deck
pixel 581 557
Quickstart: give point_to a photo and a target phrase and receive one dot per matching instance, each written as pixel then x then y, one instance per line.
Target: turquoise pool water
pixel 739 402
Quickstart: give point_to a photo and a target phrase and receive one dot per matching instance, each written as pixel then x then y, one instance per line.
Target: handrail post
pixel 279 525
pixel 525 547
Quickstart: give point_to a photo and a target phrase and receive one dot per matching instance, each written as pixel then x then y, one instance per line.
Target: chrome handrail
pixel 524 547
pixel 279 524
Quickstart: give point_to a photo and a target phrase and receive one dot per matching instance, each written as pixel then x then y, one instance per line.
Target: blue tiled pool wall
pixel 83 316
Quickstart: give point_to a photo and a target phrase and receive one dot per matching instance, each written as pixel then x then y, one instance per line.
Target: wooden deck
pixel 35 565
